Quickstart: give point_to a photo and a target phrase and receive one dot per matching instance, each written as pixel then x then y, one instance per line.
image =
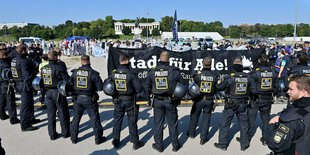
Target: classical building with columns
pixel 118 26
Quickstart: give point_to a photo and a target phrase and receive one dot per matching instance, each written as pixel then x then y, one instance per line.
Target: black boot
pixel 137 145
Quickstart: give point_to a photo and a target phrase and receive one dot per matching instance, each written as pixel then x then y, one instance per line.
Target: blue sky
pixel 230 12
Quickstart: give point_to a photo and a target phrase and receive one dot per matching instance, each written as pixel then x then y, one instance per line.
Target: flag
pixel 174 28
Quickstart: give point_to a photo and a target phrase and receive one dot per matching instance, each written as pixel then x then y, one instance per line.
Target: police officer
pixel 289 133
pixel 301 69
pixel 127 86
pixel 86 82
pixel 7 96
pixel 238 86
pixel 206 80
pixel 23 74
pixel 52 74
pixel 161 82
pixel 272 55
pixel 267 83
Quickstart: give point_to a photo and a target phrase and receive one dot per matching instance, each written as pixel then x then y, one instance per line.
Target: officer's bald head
pixel 85 59
pixel 207 62
pixel 237 61
pixel 164 56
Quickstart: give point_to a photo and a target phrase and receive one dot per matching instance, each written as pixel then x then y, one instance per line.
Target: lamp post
pixel 295 22
pixel 147 22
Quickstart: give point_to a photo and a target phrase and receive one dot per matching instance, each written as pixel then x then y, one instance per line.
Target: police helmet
pixel 109 88
pixel 6 74
pixel 37 83
pixel 63 88
pixel 180 91
pixel 193 90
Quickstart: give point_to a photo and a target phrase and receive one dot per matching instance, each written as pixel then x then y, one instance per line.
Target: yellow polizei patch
pixel 278 137
pixel 284 128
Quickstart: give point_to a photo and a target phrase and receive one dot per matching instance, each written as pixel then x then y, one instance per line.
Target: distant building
pixel 192 35
pixel 119 26
pixel 9 25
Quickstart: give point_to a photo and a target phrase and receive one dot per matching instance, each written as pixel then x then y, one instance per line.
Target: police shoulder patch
pixel 278 137
pixel 284 128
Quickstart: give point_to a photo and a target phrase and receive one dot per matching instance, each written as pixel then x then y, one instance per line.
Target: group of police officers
pixel 164 87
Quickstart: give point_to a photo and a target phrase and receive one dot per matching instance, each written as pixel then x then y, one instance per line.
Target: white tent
pixel 185 35
pixel 297 39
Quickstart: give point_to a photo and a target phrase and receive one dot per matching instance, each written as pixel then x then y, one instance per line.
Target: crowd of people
pixel 280 72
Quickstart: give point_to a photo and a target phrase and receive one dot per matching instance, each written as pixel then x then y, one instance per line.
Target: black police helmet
pixel 180 91
pixel 63 88
pixel 6 74
pixel 37 83
pixel 193 90
pixel 109 88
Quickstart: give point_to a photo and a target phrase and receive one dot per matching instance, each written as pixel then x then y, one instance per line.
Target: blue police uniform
pixel 52 74
pixel 291 135
pixel 23 74
pixel 86 82
pixel 238 87
pixel 161 82
pixel 206 80
pixel 267 84
pixel 7 95
pixel 127 86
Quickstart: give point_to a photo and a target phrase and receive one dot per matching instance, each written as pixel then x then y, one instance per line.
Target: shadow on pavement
pixel 106 151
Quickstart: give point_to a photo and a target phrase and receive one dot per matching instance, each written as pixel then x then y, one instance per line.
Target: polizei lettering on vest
pixel 46 71
pixel 120 76
pixel 206 78
pixel 82 73
pixel 237 79
pixel 306 71
pixel 161 73
pixel 266 74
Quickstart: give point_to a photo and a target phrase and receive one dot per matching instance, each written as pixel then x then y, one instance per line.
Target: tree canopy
pixel 104 28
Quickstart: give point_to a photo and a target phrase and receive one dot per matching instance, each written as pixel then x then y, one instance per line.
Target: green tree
pixel 233 31
pixel 110 33
pixel 126 31
pixel 145 20
pixel 144 32
pixel 166 23
pixel 155 32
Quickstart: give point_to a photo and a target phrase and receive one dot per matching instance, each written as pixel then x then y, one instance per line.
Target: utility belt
pixel 126 98
pixel 52 89
pixel 205 98
pixel 162 97
pixel 264 96
pixel 234 103
pixel 93 98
